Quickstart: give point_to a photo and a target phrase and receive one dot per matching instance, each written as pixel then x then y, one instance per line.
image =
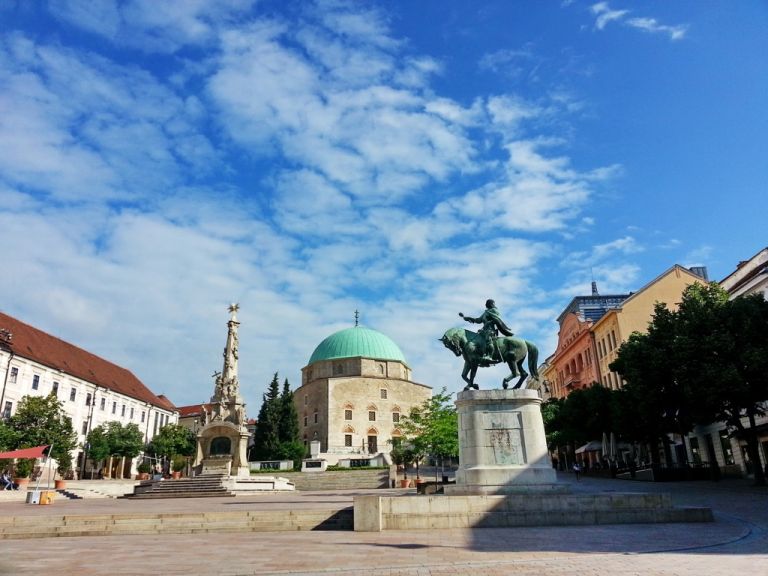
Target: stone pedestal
pixel 502 446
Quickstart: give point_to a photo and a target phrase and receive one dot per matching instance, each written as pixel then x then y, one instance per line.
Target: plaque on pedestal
pixel 502 445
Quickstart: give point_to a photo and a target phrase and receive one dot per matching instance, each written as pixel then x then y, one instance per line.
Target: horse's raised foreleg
pixel 513 373
pixel 523 374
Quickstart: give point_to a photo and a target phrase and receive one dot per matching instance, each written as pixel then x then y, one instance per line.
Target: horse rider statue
pixel 492 325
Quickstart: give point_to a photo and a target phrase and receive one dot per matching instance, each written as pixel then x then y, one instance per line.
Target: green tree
pixel 552 416
pixel 705 362
pixel 290 445
pixel 8 437
pixel 124 441
pixel 98 444
pixel 723 361
pixel 41 420
pixel 266 437
pixel 173 440
pixel 401 454
pixel 661 404
pixel 432 428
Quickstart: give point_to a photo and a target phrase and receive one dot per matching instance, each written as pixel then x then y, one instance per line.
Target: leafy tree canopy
pixel 8 437
pixel 125 441
pixel 705 362
pixel 174 440
pixel 98 443
pixel 41 420
pixel 432 428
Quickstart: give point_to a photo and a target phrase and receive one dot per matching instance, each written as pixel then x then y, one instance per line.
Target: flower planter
pixel 22 483
pixel 405 483
pixel 142 476
pixel 60 484
pixel 175 475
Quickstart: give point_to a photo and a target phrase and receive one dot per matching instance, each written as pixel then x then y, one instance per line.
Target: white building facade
pixel 92 390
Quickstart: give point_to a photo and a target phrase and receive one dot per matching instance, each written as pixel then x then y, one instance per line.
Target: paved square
pixel 736 542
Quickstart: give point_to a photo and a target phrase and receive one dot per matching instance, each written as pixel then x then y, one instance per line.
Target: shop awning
pixel 593 446
pixel 37 452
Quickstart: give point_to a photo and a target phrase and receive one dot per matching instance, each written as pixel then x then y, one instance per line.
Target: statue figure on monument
pixel 492 325
pixel 226 418
pixel 486 348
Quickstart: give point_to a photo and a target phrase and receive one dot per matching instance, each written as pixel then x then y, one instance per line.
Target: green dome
pixel 355 342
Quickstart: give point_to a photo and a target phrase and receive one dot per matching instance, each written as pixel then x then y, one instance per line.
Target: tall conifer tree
pixel 266 438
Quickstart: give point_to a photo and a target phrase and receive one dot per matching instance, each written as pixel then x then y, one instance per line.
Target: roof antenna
pixel 357 315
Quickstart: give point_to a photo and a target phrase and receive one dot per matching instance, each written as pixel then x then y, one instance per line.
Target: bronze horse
pixel 509 349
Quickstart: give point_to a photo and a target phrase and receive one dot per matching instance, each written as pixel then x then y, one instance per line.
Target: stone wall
pixel 333 480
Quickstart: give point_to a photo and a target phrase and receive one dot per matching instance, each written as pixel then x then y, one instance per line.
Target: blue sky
pixel 405 159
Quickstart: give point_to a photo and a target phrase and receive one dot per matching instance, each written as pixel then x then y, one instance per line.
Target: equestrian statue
pixel 485 348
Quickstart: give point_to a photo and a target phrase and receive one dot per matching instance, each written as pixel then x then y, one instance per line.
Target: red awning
pixel 24 453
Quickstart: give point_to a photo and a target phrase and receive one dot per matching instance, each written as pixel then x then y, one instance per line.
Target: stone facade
pixel 502 444
pixel 358 410
pixel 352 404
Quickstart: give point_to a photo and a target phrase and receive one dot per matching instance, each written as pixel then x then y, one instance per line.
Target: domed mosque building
pixel 355 388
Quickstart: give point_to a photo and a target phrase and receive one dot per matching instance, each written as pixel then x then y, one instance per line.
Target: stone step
pixel 205 486
pixel 105 525
pixel 195 494
pixel 69 495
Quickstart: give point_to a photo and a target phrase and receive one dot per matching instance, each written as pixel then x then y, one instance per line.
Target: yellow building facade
pixel 634 315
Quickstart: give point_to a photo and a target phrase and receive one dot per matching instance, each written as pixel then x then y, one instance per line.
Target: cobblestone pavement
pixel 736 542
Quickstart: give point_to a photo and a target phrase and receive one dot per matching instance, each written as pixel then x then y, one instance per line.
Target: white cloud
pixel 377 142
pixel 625 245
pixel 605 15
pixel 77 120
pixel 652 25
pixel 305 169
pixel 148 25
pixel 698 256
pixel 537 193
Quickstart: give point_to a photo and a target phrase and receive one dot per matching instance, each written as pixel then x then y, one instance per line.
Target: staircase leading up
pixel 203 486
pixel 69 495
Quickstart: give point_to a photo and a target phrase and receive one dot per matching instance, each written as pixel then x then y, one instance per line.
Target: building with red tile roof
pixel 92 390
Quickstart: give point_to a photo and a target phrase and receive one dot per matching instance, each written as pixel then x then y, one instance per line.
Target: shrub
pixel 178 463
pixel 24 467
